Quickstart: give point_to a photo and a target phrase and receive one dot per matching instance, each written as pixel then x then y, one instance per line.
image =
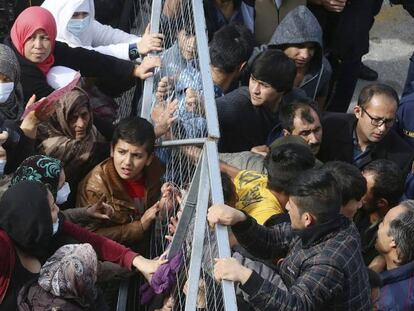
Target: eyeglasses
pixel 377 122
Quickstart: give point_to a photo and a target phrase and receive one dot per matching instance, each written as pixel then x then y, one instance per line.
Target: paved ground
pixel 391 45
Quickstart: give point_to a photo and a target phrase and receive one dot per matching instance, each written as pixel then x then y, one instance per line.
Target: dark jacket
pixel 405 119
pixel 337 143
pixel 298 27
pixel 396 293
pixel 18 147
pixel 323 269
pixel 89 63
pixel 346 34
pixel 243 125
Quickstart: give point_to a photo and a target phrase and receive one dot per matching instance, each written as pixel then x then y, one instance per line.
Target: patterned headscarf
pixel 13 108
pixel 71 273
pixel 39 168
pixel 26 24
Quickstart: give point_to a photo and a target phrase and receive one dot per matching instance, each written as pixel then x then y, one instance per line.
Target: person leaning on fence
pixel 263 196
pixel 129 181
pixel 230 50
pixel 32 229
pixel 323 268
pixel 33 40
pixel 76 26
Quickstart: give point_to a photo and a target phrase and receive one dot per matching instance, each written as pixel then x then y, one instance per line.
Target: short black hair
pixel 229 190
pixel 287 112
pixel 351 183
pixel 135 131
pixel 388 181
pixel 285 162
pixel 275 68
pixel 231 46
pixel 315 191
pixel 376 89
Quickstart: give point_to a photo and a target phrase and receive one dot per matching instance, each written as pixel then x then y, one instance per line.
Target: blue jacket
pixel 397 293
pixel 405 119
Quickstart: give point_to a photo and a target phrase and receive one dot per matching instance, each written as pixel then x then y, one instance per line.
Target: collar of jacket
pixel 319 232
pixel 398 274
pixel 152 174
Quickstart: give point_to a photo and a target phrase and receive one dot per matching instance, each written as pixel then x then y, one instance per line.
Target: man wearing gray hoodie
pixel 299 36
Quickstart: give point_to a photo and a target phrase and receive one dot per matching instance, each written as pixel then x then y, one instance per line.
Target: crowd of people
pixel 318 202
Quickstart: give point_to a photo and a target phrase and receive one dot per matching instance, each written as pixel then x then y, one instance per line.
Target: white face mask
pixel 5 90
pixel 55 227
pixel 77 26
pixel 63 194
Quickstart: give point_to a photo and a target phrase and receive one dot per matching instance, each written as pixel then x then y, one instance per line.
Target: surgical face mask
pixel 55 227
pixel 5 90
pixel 63 194
pixel 77 26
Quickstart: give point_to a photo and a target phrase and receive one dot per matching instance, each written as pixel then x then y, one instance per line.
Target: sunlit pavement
pixel 391 45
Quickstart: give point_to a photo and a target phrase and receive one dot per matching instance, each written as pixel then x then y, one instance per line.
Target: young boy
pixel 129 180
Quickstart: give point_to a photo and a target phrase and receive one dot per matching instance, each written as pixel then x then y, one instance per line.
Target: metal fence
pixel 189 150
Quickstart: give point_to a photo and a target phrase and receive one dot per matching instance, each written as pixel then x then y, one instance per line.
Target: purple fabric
pixel 162 280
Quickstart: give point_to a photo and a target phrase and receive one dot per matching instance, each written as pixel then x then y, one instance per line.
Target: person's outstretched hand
pixel 148 266
pixel 145 70
pixel 31 121
pixel 150 42
pixel 231 270
pixel 100 210
pixel 224 215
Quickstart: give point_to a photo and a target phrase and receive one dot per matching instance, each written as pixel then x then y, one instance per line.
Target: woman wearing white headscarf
pixel 76 26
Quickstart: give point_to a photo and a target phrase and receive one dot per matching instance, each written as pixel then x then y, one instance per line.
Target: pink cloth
pixel 26 24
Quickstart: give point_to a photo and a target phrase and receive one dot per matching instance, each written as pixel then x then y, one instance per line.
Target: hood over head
pixel 62 11
pixel 298 27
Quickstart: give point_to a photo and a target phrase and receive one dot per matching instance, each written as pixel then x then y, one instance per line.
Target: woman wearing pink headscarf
pixel 33 39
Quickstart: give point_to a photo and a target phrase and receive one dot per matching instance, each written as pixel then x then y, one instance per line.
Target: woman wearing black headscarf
pixel 30 225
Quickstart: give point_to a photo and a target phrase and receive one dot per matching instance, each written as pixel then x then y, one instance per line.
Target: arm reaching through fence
pixel 145 70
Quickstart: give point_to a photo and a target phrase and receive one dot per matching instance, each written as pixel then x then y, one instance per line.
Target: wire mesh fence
pixel 137 15
pixel 182 87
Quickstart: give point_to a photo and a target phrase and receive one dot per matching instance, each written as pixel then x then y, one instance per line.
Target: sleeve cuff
pixel 253 284
pixel 243 226
pixel 128 259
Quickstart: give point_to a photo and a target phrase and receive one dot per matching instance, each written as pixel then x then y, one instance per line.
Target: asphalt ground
pixel 391 46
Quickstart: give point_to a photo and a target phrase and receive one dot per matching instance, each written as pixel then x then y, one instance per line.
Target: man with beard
pixel 299 119
pixel 385 186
